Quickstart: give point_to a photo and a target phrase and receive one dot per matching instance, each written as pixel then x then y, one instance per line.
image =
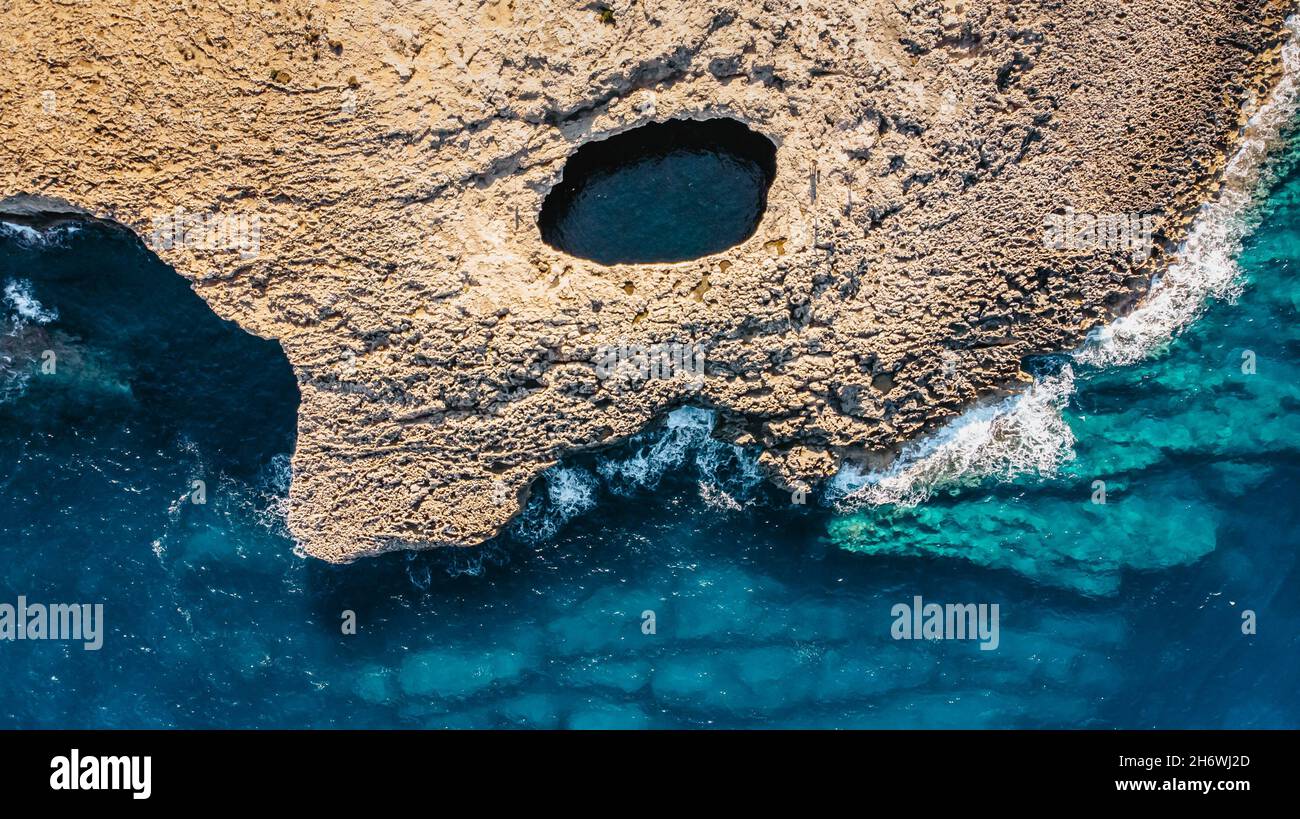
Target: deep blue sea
pixel 1127 613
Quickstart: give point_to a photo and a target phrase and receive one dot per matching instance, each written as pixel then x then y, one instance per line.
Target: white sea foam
pixel 13 378
pixel 570 491
pixel 1027 433
pixel 685 429
pixel 22 310
pixel 272 509
pixel 27 236
pixel 726 471
pixel 23 233
pixel 727 474
pixel 18 297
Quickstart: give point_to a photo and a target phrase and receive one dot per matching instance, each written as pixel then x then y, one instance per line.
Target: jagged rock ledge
pixel 373 173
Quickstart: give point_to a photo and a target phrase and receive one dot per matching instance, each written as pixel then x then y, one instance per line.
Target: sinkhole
pixel 662 192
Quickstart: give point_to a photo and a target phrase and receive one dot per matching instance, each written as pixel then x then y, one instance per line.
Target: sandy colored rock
pixel 393 157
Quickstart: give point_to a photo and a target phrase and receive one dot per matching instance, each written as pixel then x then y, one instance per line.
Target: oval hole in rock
pixel 663 192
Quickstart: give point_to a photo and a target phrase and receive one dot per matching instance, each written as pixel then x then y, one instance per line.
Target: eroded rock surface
pixel 396 154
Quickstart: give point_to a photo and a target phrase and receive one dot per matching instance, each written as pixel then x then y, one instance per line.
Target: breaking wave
pixel 570 491
pixel 22 316
pixel 1025 433
pixel 18 297
pixel 686 438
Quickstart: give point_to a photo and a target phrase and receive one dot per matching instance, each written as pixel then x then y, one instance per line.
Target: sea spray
pixel 23 341
pixel 27 236
pixel 23 234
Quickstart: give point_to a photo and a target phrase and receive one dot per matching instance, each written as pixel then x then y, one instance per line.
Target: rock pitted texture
pixel 396 155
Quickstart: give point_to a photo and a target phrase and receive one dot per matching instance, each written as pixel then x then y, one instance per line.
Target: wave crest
pixel 1025 433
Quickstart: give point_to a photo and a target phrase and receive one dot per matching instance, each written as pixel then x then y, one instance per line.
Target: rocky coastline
pixel 959 186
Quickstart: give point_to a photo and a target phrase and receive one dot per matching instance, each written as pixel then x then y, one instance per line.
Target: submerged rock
pixel 363 182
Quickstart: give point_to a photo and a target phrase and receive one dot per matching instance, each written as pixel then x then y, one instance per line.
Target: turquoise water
pixel 1124 614
pixel 664 192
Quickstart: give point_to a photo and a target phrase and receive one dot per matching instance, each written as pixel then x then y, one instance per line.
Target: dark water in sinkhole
pixel 1124 614
pixel 664 192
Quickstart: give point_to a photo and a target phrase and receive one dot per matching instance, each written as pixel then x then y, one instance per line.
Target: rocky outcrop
pixel 361 180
